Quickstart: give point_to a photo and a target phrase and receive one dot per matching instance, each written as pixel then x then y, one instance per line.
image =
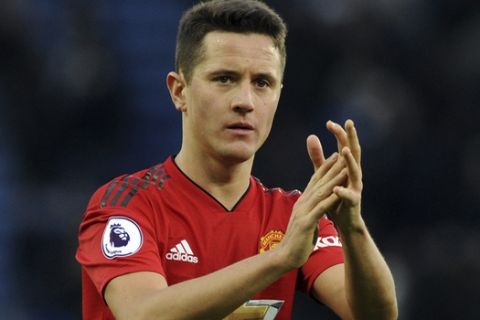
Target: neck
pixel 226 181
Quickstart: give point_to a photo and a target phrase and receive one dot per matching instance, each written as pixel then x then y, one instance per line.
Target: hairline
pixel 201 51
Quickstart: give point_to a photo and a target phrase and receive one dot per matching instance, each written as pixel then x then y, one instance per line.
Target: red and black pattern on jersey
pixel 290 193
pixel 126 187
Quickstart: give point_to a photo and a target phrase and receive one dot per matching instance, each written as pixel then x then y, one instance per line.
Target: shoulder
pixel 125 201
pixel 122 190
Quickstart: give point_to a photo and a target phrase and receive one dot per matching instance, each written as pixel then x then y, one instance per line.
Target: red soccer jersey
pixel 159 220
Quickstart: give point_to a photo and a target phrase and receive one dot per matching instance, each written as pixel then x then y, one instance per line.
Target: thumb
pixel 315 151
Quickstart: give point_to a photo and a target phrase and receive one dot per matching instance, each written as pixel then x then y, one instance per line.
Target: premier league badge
pixel 122 237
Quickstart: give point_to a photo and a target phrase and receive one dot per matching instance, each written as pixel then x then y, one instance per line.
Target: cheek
pixel 269 109
pixel 205 114
pixel 267 115
pixel 199 107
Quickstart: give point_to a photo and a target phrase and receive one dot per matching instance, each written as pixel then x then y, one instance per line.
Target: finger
pixel 318 192
pixel 339 165
pixel 347 194
pixel 354 169
pixel 339 133
pixel 324 168
pixel 353 141
pixel 331 167
pixel 315 151
pixel 327 184
pixel 325 206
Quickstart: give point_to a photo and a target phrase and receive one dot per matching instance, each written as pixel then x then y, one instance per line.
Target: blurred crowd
pixel 83 99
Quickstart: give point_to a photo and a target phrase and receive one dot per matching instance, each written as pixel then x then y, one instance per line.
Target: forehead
pixel 228 49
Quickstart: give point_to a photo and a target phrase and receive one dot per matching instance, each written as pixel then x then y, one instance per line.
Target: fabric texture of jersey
pixel 159 220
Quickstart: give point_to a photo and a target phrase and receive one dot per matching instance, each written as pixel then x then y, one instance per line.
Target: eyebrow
pixel 223 72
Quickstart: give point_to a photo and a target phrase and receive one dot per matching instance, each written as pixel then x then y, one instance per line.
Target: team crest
pixel 122 237
pixel 270 240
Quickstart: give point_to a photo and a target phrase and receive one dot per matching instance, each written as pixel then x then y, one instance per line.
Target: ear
pixel 176 86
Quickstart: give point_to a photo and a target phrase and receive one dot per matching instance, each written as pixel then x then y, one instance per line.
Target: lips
pixel 240 126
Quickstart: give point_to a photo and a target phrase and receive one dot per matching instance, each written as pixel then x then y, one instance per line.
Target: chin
pixel 237 156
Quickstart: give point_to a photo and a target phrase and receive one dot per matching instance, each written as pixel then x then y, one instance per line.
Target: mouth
pixel 240 126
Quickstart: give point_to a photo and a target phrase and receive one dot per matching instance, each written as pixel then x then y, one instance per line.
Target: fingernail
pixel 333 156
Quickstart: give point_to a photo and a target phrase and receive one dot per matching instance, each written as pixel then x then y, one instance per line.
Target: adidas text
pixel 181 257
pixel 182 252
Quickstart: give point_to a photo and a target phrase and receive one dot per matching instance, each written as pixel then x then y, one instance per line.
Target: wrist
pixel 352 229
pixel 282 260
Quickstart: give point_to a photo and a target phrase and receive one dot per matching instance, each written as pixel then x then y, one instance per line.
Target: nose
pixel 243 100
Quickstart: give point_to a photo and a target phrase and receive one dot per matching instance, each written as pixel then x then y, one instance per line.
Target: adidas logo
pixel 182 252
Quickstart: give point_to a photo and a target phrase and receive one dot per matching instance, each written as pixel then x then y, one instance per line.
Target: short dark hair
pixel 239 16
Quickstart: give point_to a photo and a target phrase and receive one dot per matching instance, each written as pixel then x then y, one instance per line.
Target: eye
pixel 262 83
pixel 224 79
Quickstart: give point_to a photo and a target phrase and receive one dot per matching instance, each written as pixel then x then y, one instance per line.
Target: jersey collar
pixel 197 193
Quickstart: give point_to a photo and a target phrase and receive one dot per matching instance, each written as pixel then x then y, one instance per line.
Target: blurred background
pixel 83 99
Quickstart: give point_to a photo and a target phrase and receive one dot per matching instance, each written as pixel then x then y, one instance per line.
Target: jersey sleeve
pixel 326 253
pixel 116 238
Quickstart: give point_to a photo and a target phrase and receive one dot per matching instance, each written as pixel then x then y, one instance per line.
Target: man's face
pixel 232 96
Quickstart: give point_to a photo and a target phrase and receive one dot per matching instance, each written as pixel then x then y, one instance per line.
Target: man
pixel 197 237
